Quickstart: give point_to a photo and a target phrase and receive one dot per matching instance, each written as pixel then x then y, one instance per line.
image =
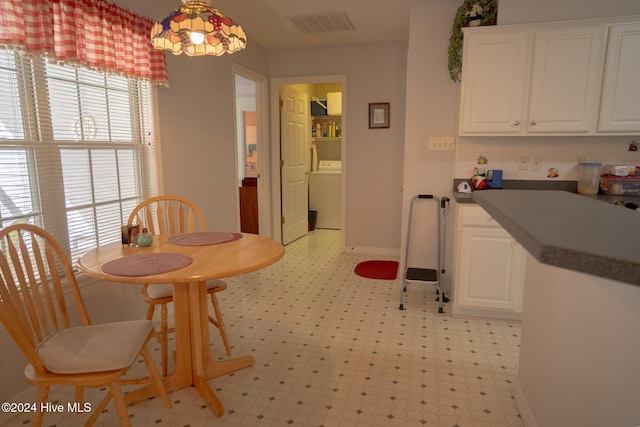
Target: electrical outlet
pixel 449 143
pixel 536 163
pixel 523 163
pixel 445 143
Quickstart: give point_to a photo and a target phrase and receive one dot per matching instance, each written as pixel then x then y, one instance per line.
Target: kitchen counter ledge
pixel 570 231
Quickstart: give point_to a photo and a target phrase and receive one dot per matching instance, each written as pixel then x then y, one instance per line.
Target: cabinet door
pixel 494 83
pixel 620 108
pixel 489 270
pixel 565 80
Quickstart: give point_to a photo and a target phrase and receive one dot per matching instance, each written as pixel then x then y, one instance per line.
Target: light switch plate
pixel 523 163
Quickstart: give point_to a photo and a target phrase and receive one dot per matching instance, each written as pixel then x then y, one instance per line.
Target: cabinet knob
pixel 533 123
pixel 516 123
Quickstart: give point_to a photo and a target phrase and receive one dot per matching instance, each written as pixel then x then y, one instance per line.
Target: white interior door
pixel 294 140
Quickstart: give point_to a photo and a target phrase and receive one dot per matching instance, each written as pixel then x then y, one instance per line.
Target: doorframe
pixel 276 181
pixel 262 129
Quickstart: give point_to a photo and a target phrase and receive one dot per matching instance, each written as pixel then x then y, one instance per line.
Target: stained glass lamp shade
pixel 197 29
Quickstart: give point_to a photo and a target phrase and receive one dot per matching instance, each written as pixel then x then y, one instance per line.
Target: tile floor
pixel 332 349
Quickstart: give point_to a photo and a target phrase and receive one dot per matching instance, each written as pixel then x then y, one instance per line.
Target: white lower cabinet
pixel 489 267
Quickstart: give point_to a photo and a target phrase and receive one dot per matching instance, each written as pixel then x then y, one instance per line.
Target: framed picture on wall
pixel 379 115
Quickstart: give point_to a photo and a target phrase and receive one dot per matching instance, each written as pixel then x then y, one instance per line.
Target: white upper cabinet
pixel 620 107
pixel 494 82
pixel 531 80
pixel 565 80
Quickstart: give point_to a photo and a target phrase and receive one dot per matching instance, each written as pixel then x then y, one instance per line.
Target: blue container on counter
pixel 494 178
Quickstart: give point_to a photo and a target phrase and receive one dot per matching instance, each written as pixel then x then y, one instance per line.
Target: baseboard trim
pixel 394 252
pixel 459 311
pixel 523 406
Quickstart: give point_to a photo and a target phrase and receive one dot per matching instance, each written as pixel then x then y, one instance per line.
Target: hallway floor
pixel 332 349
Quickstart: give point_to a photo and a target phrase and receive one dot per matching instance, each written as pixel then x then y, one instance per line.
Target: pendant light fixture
pixel 197 29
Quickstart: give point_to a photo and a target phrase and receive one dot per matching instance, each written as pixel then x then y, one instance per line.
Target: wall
pixel 196 123
pixel 373 164
pixel 432 111
pixel 562 154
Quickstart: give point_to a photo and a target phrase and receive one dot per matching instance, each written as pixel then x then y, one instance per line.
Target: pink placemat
pixel 146 264
pixel 203 238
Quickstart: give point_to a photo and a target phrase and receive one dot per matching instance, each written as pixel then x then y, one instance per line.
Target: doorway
pixel 314 88
pixel 252 166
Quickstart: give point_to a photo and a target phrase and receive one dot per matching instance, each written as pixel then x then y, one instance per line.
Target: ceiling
pixel 266 23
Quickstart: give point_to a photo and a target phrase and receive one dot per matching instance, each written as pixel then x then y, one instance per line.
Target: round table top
pixel 249 253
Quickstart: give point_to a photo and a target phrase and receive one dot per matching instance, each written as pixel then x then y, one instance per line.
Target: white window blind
pixel 77 152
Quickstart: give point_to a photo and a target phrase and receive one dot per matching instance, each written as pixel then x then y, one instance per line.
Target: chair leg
pixel 164 332
pixel 79 394
pixel 97 410
pixel 155 376
pixel 219 323
pixel 150 311
pixel 37 416
pixel 121 407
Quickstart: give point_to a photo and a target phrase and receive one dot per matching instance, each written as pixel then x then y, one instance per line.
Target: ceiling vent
pixel 322 23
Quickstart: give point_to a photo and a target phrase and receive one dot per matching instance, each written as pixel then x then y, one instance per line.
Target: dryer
pixel 325 193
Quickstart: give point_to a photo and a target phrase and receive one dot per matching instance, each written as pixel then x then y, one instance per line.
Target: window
pixel 76 149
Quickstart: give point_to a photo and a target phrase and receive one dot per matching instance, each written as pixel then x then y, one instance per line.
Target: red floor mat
pixel 382 270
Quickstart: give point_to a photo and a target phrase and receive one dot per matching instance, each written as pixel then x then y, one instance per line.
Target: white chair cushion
pixel 158 291
pixel 94 348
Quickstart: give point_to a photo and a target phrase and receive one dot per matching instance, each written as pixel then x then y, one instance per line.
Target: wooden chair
pixel 36 274
pixel 174 215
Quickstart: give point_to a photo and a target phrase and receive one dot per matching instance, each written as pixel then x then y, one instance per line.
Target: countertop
pixel 569 230
pixel 517 184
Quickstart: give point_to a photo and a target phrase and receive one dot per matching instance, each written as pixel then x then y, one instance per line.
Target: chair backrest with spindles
pixel 34 275
pixel 168 215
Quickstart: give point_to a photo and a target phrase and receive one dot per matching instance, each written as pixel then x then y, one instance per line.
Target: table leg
pixel 193 365
pixel 181 376
pixel 200 345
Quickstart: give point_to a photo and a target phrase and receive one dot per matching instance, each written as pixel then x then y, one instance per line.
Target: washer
pixel 325 188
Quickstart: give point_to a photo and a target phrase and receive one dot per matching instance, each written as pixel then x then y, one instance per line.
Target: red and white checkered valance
pixel 94 33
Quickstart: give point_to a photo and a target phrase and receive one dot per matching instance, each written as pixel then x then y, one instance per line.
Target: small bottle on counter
pixel 325 129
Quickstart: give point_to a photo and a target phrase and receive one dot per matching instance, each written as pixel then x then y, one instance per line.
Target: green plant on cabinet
pixel 472 13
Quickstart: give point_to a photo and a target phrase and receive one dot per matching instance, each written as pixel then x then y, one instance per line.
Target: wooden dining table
pixel 193 362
